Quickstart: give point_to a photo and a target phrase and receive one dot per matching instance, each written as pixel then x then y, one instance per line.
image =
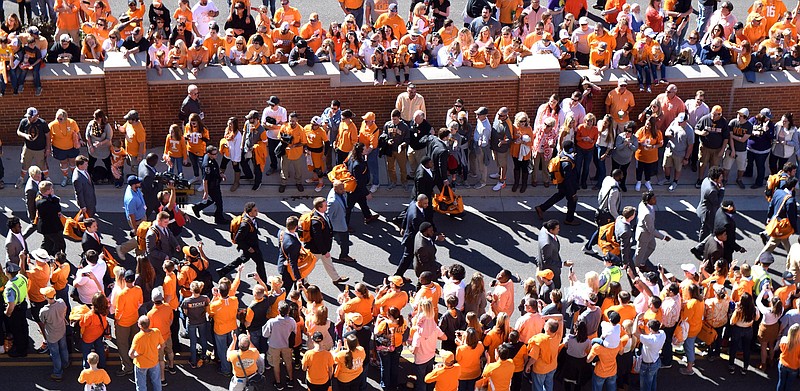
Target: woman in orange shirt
pixel 178 55
pixel 692 311
pixel 789 363
pixel 92 51
pixel 349 360
pixel 174 150
pixel 497 335
pixel 368 135
pixel 585 137
pixel 391 328
pixel 468 354
pixel 650 140
pixel 521 150
pixel 347 137
pixel 94 328
pixel 184 12
pixel 196 135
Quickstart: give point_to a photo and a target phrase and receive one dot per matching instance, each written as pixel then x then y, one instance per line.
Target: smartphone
pixel 251 275
pixel 86 274
pixel 570 270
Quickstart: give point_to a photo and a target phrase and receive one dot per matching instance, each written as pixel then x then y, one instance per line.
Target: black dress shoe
pixel 281 188
pixel 300 188
pixel 195 211
pixel 697 253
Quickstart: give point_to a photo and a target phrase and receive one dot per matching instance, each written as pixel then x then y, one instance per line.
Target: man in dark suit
pixel 84 187
pixel 424 183
pixel 713 250
pixel 322 239
pixel 414 217
pixel 31 191
pixel 147 175
pixel 725 220
pixel 160 245
pixel 438 152
pixel 425 250
pixel 246 239
pixel 568 188
pixel 91 239
pixel 623 233
pixel 711 194
pixel 550 250
pixel 15 241
pixel 48 210
pixel 289 253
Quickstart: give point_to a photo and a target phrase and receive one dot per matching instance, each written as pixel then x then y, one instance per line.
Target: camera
pixel 167 178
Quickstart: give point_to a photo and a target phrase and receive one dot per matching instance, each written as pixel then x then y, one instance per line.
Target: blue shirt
pixel 134 204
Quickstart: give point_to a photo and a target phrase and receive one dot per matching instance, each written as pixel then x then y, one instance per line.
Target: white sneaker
pixel 480 186
pixel 499 186
pixel 374 188
pixel 309 180
pixel 673 186
pixel 665 182
pixel 494 176
pixel 638 186
pixel 648 186
pixel 64 182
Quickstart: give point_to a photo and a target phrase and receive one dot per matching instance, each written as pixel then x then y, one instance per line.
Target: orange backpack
pixel 341 173
pixel 554 168
pixel 304 226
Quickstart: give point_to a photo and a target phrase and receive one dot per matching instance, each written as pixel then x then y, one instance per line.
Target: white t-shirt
pixel 280 115
pixel 201 18
pixel 85 286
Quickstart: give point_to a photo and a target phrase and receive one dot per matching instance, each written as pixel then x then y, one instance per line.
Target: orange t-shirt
pixel 345 374
pixel 433 292
pixel 243 363
pixel 318 366
pixel 348 136
pixel 509 10
pixel 187 14
pixel 362 306
pixel 448 38
pixel 62 134
pixel 390 299
pixel 586 131
pixel 146 345
pixel 607 365
pixel 92 326
pixel 625 311
pixel 161 319
pixel 492 340
pixel 693 310
pixel 470 361
pixel 126 306
pixel 298 137
pixel 446 378
pixel 59 277
pixel 223 311
pixel 620 102
pixel 68 20
pixel 38 277
pixel 94 376
pixel 368 135
pixel 195 143
pixel 790 358
pixel 499 373
pixel 134 135
pixel 647 155
pixel 315 138
pixel 175 148
pixel 544 349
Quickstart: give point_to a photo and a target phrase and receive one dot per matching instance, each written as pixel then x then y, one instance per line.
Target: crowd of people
pixel 375 37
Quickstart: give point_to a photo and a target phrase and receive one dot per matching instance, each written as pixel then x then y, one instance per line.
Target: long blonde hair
pixel 793 336
pixel 426 308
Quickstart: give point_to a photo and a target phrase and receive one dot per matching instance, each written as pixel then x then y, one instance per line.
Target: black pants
pixel 407 261
pixel 273 160
pixel 583 58
pixel 54 242
pixel 520 172
pixel 255 256
pixel 648 169
pixel 341 156
pixel 757 161
pixel 624 168
pixel 214 197
pixel 352 200
pixel 224 165
pixel 25 9
pixel 776 163
pixel 572 202
pixel 256 173
pixel 92 162
pixel 196 162
pixel 343 240
pixel 18 327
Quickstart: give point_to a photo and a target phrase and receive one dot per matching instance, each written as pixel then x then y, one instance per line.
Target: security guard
pixel 15 293
pixel 611 273
pixel 212 180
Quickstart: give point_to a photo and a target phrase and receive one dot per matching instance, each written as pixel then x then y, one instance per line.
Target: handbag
pixel 305 263
pixel 707 334
pixel 637 364
pixel 780 227
pixel 602 216
pixel 253 381
pixel 447 202
pixel 384 342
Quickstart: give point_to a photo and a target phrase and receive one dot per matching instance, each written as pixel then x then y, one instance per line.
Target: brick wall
pixel 122 89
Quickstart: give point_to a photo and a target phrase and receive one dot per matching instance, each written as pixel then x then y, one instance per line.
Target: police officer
pixel 211 186
pixel 611 273
pixel 15 293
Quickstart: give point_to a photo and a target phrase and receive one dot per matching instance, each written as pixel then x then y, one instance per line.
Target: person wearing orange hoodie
pixel 368 135
pixel 347 137
pixel 294 137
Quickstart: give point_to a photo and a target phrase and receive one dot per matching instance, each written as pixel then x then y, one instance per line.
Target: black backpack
pixel 475 8
pixel 203 276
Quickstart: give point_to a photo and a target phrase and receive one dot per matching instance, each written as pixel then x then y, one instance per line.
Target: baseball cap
pixel 12 267
pixel 33 30
pixel 252 114
pixel 622 82
pixel 31 112
pixel 355 318
pixel 482 111
pixel 157 294
pixel 130 276
pixel 393 7
pixel 198 42
pixel 650 33
pixel 397 280
pixel 191 251
pixel 563 34
pixel 317 336
pixel 789 277
pixel 48 292
pixel 133 179
pixel 766 258
pixel 583 20
pixel 767 113
pixel 448 358
pixel 743 111
pixel 273 100
pixel 681 117
pixel 369 116
pixel 132 115
pixel 317 120
pixel 716 109
pixel 546 274
pixel 689 268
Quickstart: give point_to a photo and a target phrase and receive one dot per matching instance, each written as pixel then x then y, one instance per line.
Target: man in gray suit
pixel 337 208
pixel 160 245
pixel 711 194
pixel 549 250
pixel 425 250
pixel 646 232
pixel 623 233
pixel 15 241
pixel 31 191
pixel 84 187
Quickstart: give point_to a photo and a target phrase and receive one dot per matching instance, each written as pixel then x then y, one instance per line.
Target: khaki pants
pixel 480 165
pixel 124 338
pixel 772 243
pixel 400 159
pixel 709 157
pixel 539 164
pixel 131 244
pixel 295 167
pixel 414 157
pixel 30 157
pixel 501 159
pixel 327 263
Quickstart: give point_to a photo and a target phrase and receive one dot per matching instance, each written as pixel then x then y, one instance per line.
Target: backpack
pixel 554 168
pixel 474 8
pixel 236 222
pixel 203 276
pixel 340 172
pixel 141 234
pixel 607 241
pixel 772 184
pixel 304 226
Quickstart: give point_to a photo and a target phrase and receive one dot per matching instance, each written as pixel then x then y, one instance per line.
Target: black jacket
pixel 425 255
pixel 247 234
pixel 411 222
pixel 570 184
pixel 289 252
pixel 88 242
pixel 423 183
pixel 722 220
pixel 321 234
pixel 48 209
pixel 56 50
pixel 418 134
pixel 438 152
pixel 150 188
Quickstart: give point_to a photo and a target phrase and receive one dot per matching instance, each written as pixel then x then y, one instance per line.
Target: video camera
pixel 165 179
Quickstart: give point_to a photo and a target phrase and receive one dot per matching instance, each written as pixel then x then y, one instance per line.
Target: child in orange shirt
pixel 118 156
pixel 402 62
pixel 379 64
pixel 174 150
pixel 95 378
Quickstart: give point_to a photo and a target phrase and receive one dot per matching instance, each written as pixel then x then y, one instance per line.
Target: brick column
pixel 126 87
pixel 538 79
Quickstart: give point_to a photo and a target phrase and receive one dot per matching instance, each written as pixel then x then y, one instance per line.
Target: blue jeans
pixel 60 355
pixel 703 16
pixel 142 375
pixel 599 165
pixel 197 161
pixel 543 382
pixel 785 377
pixel 583 158
pixel 688 348
pixel 648 376
pixel 22 74
pixel 194 332
pixel 741 339
pixel 99 347
pixel 372 164
pixel 221 343
pixel 643 74
pixel 390 368
pixel 421 370
pixel 467 385
pixel 258 341
pixel 609 382
pixel 177 165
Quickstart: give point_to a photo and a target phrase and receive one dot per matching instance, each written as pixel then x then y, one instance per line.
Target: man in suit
pixel 160 245
pixel 246 239
pixel 624 234
pixel 714 248
pixel 550 250
pixel 425 250
pixel 568 188
pixel 48 211
pixel 91 239
pixel 779 209
pixel 147 175
pixel 31 191
pixel 725 220
pixel 424 183
pixel 289 253
pixel 15 241
pixel 438 152
pixel 84 187
pixel 337 212
pixel 322 239
pixel 414 217
pixel 646 232
pixel 711 193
